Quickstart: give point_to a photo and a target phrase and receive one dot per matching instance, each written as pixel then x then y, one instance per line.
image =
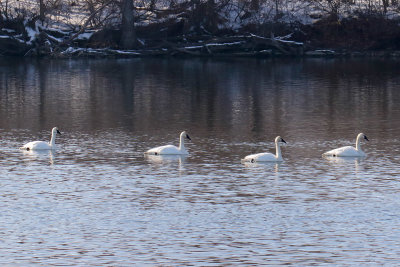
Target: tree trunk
pixel 385 6
pixel 41 11
pixel 128 34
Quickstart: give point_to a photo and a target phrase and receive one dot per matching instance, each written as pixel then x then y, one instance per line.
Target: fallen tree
pixel 172 33
pixel 36 40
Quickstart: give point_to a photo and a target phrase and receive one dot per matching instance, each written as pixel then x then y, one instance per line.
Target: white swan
pixel 41 145
pixel 170 149
pixel 349 151
pixel 267 157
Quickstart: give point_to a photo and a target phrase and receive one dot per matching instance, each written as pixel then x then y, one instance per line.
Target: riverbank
pixel 98 53
pixel 325 38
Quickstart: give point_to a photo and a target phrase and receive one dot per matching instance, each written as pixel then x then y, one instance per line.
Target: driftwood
pixel 39 41
pixel 30 38
pixel 249 45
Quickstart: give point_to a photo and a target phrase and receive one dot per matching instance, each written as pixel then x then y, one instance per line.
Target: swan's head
pixel 361 135
pixel 55 131
pixel 279 139
pixel 185 135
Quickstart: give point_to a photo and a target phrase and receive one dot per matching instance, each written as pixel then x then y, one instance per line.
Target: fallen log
pixel 13 47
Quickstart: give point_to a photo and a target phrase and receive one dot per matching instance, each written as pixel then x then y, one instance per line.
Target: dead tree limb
pixel 66 42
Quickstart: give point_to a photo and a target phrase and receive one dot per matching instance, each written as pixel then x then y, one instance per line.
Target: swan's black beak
pixel 283 141
pixel 188 137
pixel 58 132
pixel 366 138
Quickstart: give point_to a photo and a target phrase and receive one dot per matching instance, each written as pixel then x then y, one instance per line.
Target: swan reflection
pixel 169 159
pixel 40 155
pixel 270 165
pixel 344 160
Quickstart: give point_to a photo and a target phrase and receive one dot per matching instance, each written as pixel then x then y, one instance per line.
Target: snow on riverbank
pixel 166 29
pixel 235 14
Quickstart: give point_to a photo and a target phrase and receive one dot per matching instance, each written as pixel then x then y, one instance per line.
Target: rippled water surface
pixel 98 201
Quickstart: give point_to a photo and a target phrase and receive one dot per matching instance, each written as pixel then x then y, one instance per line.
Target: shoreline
pixel 318 53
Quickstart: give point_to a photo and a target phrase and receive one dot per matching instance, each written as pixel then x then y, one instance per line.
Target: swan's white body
pixel 348 151
pixel 170 149
pixel 41 145
pixel 267 157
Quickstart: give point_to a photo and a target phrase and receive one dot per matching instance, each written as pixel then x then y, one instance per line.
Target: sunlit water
pixel 98 201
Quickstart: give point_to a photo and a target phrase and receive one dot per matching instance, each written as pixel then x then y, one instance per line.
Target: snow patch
pixel 224 44
pixel 84 36
pixel 126 52
pixel 31 32
pixel 100 51
pixel 58 40
pixel 8 30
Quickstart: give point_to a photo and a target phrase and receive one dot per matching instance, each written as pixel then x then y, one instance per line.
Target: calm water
pixel 98 201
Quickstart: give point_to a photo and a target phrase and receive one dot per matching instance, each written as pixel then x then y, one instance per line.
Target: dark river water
pixel 97 200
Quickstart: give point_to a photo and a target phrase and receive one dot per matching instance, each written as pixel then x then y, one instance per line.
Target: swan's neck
pixel 358 143
pixel 278 151
pixel 53 139
pixel 182 144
